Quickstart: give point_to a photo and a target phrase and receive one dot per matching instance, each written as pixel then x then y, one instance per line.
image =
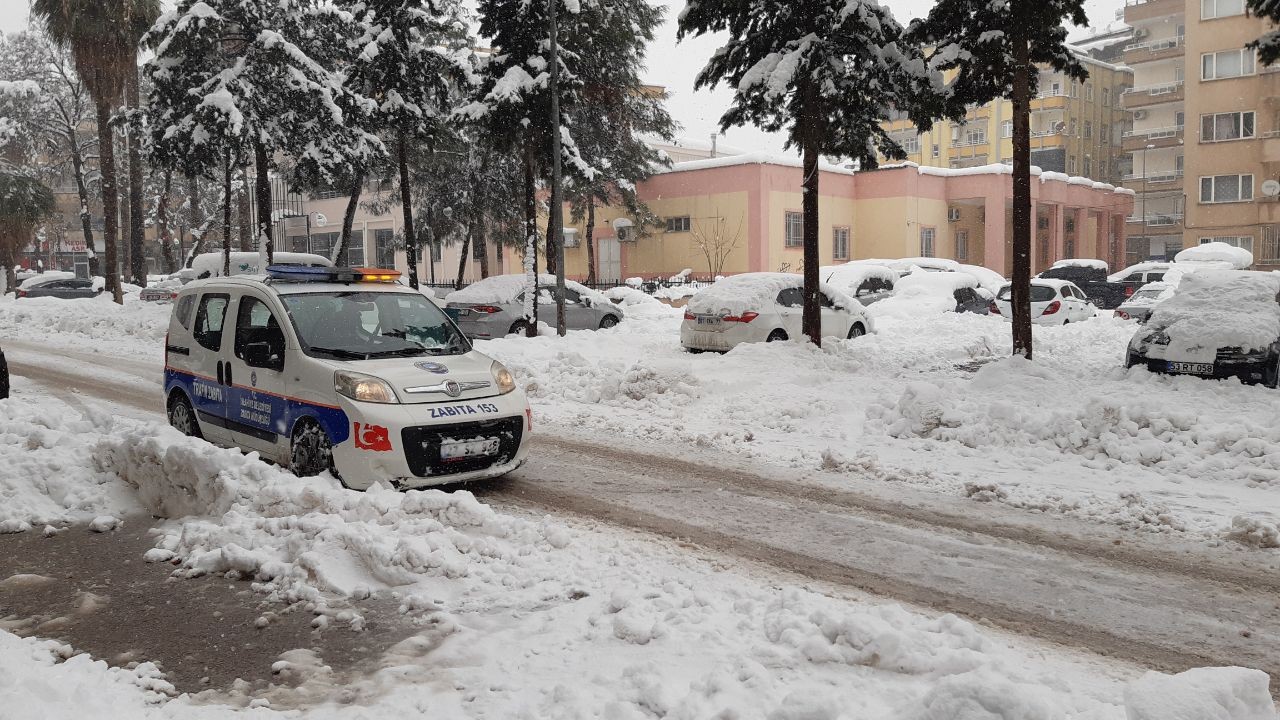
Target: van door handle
pixel 227 372
pixel 220 382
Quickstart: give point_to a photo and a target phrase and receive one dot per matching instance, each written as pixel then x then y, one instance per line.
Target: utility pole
pixel 556 219
pixel 1145 239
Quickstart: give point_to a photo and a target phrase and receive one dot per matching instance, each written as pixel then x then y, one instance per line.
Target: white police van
pixel 321 368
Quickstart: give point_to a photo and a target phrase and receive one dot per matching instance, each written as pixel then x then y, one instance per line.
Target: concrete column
pixel 1057 234
pixel 1082 219
pixel 1102 239
pixel 993 239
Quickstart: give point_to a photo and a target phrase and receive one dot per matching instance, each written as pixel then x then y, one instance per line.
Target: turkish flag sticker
pixel 372 437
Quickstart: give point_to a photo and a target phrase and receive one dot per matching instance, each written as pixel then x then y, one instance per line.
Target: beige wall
pixel 832 212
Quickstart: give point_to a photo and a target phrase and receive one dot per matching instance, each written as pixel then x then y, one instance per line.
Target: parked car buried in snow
pixel 1220 324
pixel 1143 302
pixel 866 282
pixel 58 287
pixel 494 307
pixel 764 307
pixel 935 292
pixel 1053 302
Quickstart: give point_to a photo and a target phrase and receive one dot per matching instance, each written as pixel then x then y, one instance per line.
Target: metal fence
pixel 649 286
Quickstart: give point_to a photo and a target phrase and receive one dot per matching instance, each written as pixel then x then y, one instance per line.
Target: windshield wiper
pixel 340 353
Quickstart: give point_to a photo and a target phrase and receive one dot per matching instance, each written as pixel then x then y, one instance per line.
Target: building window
pixel 962 245
pixel 1226 64
pixel 1270 244
pixel 1075 89
pixel 1088 128
pixel 322 244
pixel 384 250
pixel 968 135
pixel 1105 135
pixel 1088 91
pixel 1071 164
pixel 1088 166
pixel 936 150
pixel 678 224
pixel 1241 241
pixel 926 241
pixel 840 243
pixel 793 228
pixel 1226 188
pixel 1006 129
pixel 1217 127
pixel 910 143
pixel 1210 9
pixel 355 250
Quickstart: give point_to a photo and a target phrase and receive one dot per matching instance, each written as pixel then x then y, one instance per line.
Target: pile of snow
pixel 1209 693
pixel 1239 258
pixel 923 293
pixel 1091 263
pixel 1219 309
pixel 640 305
pixel 850 276
pixel 754 292
pixel 504 289
pixel 46 276
pixel 675 293
pixel 929 264
pixel 97 319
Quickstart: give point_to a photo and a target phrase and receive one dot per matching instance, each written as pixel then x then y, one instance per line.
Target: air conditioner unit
pixel 953 214
pixel 571 237
pixel 1139 114
pixel 625 230
pixel 1139 33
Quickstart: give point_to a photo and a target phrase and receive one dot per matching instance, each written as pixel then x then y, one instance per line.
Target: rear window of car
pixel 1039 293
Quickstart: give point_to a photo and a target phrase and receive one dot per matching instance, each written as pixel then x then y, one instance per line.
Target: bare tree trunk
pixel 348 220
pixel 1021 280
pixel 811 318
pixel 137 256
pixel 126 272
pixel 263 201
pixel 82 192
pixel 406 204
pixel 226 212
pixel 245 212
pixel 110 201
pixel 466 248
pixel 482 246
pixel 162 227
pixel 591 241
pixel 530 248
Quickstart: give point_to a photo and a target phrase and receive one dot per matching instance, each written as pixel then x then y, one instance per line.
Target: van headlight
pixel 365 388
pixel 505 381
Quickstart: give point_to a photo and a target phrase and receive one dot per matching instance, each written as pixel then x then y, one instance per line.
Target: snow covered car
pixel 161 291
pixel 1220 323
pixel 764 307
pixel 338 369
pixel 936 292
pixel 66 288
pixel 1053 302
pixel 866 282
pixel 494 307
pixel 1141 304
pixel 1135 276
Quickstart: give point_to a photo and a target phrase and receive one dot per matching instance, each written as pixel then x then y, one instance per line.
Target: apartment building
pixel 1075 128
pixel 1205 135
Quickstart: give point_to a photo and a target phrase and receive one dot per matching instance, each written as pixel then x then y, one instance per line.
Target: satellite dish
pixel 321 220
pixel 1271 188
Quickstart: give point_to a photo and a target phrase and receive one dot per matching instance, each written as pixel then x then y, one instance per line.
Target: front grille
pixel 422 445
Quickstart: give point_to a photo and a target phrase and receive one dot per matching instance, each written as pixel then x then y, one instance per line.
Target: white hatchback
pixel 764 307
pixel 321 368
pixel 1053 302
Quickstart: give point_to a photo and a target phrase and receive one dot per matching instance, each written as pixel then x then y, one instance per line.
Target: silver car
pixel 494 307
pixel 1143 302
pixel 66 288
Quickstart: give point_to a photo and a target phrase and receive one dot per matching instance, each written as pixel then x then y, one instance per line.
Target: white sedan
pixel 1053 302
pixel 764 307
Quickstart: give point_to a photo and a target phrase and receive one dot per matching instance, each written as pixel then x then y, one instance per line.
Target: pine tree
pixel 24 201
pixel 994 48
pixel 239 75
pixel 1268 46
pixel 825 72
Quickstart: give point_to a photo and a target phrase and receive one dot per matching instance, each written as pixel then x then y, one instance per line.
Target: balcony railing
pixel 969 142
pixel 1160 89
pixel 1156 133
pixel 1154 177
pixel 1061 92
pixel 1160 220
pixel 1156 45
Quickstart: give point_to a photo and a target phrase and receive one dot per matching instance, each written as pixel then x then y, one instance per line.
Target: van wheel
pixel 607 322
pixel 183 417
pixel 518 327
pixel 777 336
pixel 857 331
pixel 310 452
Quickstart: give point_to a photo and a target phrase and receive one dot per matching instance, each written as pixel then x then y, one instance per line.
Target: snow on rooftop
pixel 753 158
pixel 1082 263
pixel 1002 169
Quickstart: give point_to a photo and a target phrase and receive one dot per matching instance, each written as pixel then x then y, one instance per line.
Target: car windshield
pixel 1147 294
pixel 362 325
pixel 1039 293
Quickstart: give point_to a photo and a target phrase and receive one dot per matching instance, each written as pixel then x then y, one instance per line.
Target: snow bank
pixel 1209 693
pixel 923 293
pixel 1239 258
pixel 87 318
pixel 640 305
pixel 753 291
pixel 1218 309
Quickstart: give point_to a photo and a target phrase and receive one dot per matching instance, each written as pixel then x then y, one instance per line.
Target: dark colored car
pixel 4 376
pixel 1093 281
pixel 65 288
pixel 972 300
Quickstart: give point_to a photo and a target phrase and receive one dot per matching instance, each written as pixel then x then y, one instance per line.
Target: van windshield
pixel 362 325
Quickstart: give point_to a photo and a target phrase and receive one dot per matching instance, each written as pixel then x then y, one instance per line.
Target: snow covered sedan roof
pixel 850 276
pixel 1239 258
pixel 935 283
pixel 1219 309
pixel 1151 294
pixel 987 278
pixel 504 289
pixel 1093 263
pixel 752 291
pixel 1140 267
pixel 47 276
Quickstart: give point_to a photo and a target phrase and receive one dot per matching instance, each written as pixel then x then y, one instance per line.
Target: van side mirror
pixel 264 355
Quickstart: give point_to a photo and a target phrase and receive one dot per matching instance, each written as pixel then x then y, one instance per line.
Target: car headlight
pixel 365 388
pixel 503 378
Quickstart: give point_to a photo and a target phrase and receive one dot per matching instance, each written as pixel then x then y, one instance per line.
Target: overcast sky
pixel 675 65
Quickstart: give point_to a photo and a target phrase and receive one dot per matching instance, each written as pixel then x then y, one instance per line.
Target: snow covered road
pixel 1158 601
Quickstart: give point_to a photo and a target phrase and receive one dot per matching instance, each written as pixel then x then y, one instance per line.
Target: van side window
pixel 209 319
pixel 255 323
pixel 183 311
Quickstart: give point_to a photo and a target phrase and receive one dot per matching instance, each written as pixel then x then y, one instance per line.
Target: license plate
pixel 704 320
pixel 456 450
pixel 1191 368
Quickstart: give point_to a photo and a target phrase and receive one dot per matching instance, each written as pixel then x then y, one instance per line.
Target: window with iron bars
pixel 1270 250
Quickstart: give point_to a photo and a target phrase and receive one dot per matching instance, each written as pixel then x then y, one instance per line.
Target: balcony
pixel 1136 11
pixel 1138 140
pixel 1146 96
pixel 1156 224
pixel 1153 50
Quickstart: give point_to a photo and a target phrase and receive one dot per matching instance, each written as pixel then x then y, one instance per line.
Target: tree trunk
pixel 811 317
pixel 245 212
pixel 137 256
pixel 482 246
pixel 193 218
pixel 263 201
pixel 591 241
pixel 349 220
pixel 530 247
pixel 429 231
pixel 406 204
pixel 1021 280
pixel 226 213
pixel 162 227
pixel 126 272
pixel 462 257
pixel 110 201
pixel 82 191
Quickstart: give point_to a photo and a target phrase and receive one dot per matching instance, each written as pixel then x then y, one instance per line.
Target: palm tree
pixel 102 36
pixel 142 15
